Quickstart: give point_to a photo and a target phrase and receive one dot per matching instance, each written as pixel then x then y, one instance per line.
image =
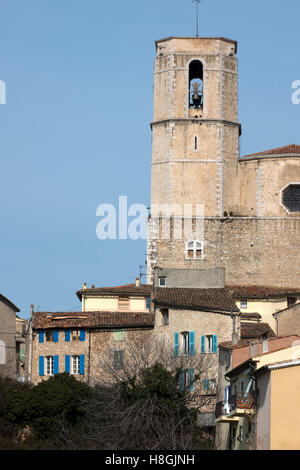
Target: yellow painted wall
pixel 292 353
pixel 265 309
pixel 285 399
pixel 110 303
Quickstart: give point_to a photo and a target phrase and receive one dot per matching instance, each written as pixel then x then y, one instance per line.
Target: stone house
pixel 8 356
pixel 288 320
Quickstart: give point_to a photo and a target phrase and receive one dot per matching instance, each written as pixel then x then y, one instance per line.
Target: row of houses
pixel 231 337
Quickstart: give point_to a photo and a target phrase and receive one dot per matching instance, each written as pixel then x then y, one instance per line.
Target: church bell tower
pixel 195 142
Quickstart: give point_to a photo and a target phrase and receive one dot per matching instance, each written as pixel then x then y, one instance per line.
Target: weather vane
pixel 197 16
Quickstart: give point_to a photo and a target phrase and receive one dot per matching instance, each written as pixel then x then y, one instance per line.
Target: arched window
pixel 194 250
pixel 196 84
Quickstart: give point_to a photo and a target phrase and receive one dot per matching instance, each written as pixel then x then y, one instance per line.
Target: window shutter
pixel 55 365
pixel 215 344
pixel 202 344
pixel 67 335
pixel 82 335
pixel 206 384
pixel 55 336
pixel 191 377
pixel 41 336
pixel 67 363
pixel 192 343
pixel 176 344
pixel 41 365
pixel 81 364
pixel 181 380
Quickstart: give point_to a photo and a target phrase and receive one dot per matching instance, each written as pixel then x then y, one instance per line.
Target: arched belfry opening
pixel 195 84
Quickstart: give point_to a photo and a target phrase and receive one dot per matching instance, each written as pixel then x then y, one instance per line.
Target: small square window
pixel 123 303
pixel 162 281
pixel 75 335
pixel 165 316
pixel 243 303
pixel 49 335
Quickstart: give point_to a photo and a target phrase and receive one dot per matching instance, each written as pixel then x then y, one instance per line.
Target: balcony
pixel 238 405
pixel 242 404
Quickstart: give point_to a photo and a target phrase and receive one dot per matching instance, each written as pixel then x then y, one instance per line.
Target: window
pixel 49 369
pixel 184 343
pixel 165 316
pixel 75 335
pixel 75 364
pixel 194 250
pixel 118 359
pixel 291 197
pixel 196 84
pixel 162 281
pixel 123 303
pixel 119 335
pixel 243 303
pixel 291 301
pixel 242 388
pixel 196 143
pixel 49 335
pixel 209 344
pixel 186 379
pixel 148 300
pixel 206 384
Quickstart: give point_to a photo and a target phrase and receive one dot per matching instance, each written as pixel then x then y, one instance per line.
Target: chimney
pixel 137 281
pixel 234 330
pixel 84 286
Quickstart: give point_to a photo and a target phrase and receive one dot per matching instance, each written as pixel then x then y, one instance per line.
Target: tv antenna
pixel 197 16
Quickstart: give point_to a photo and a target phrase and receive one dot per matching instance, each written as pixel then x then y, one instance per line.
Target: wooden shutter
pixel 55 336
pixel 41 337
pixel 176 344
pixel 81 364
pixel 203 344
pixel 192 343
pixel 55 365
pixel 67 363
pixel 67 335
pixel 82 335
pixel 215 344
pixel 41 365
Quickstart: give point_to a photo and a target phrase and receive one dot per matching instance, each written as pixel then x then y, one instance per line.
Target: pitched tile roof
pixel 250 316
pixel 286 150
pixel 252 292
pixel 195 298
pixel 130 289
pixel 256 330
pixel 43 320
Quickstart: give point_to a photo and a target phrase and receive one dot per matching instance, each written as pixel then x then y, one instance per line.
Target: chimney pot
pixel 137 281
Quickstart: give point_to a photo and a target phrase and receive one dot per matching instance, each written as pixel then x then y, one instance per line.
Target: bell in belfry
pixel 197 95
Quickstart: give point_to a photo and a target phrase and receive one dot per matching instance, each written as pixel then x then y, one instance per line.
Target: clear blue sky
pixel 75 130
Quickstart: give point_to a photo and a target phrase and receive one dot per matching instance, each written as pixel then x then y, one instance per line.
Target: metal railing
pixel 238 401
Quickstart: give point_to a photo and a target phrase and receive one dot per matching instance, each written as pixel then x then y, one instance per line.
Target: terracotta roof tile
pixel 256 330
pixel 195 298
pixel 251 292
pixel 43 320
pixel 130 289
pixel 286 150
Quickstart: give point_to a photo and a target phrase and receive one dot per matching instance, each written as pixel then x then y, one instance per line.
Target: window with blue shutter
pixel 191 379
pixel 55 336
pixel 192 343
pixel 67 363
pixel 81 364
pixel 202 344
pixel 176 344
pixel 67 335
pixel 181 380
pixel 215 344
pixel 41 365
pixel 41 337
pixel 206 384
pixel 55 365
pixel 82 335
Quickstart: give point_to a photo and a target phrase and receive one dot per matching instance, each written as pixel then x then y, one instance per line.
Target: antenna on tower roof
pixel 197 16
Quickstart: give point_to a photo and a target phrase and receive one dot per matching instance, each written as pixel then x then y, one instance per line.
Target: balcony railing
pixel 235 402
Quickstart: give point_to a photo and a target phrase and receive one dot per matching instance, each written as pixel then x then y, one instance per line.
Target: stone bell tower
pixel 195 142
